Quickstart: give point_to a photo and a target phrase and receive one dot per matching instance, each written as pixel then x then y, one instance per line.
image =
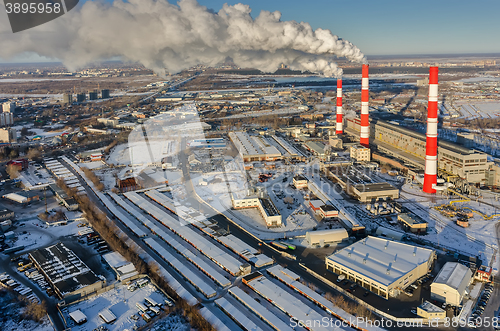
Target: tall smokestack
pixel 339 107
pixel 364 137
pixel 430 177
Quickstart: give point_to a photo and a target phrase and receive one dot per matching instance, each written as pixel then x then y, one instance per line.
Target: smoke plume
pixel 161 36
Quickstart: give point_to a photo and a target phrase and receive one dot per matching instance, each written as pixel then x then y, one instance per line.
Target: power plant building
pixel 382 266
pixel 409 145
pixel 360 153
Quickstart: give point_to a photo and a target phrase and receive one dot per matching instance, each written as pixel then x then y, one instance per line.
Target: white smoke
pixel 161 36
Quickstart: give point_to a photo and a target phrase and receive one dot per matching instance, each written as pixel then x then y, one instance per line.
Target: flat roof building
pixel 374 191
pixel 382 266
pixel 451 284
pixel 254 148
pixel 430 312
pixel 299 182
pixel 65 272
pixel 410 145
pixel 412 223
pixel 360 153
pixel 266 207
pixel 323 237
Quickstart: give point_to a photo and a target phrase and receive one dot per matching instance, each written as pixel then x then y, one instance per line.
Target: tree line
pixel 119 242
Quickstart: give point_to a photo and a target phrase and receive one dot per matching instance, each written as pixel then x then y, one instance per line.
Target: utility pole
pixel 45 198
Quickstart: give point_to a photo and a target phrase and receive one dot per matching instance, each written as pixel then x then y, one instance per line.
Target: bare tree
pixel 12 171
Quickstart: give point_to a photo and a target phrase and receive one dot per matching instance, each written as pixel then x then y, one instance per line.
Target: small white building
pixel 326 236
pixel 78 317
pixel 451 283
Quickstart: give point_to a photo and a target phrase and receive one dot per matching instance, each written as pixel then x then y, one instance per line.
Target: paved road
pixel 52 311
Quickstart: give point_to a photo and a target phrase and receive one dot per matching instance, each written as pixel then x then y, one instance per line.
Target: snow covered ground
pixel 93 165
pixel 120 301
pixel 12 319
pixel 38 234
pixel 480 238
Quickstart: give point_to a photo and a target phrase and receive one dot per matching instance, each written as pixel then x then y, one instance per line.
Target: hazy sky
pixel 390 27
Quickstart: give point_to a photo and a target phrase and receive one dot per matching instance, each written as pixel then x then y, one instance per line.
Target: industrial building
pixel 374 192
pixel 6 214
pixel 122 268
pixel 253 148
pixel 266 207
pixel 323 237
pixel 207 143
pixel 451 284
pixel 409 146
pixel 316 147
pixel 412 223
pixel 360 153
pixel 299 182
pixel 431 312
pixel 65 272
pixel 382 266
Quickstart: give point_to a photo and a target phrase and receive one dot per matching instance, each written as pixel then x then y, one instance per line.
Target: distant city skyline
pixel 385 27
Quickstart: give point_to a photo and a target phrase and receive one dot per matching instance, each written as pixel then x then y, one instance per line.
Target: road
pixel 7 266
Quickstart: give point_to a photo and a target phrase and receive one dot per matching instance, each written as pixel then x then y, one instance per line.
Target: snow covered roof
pixel 107 315
pixel 115 259
pixel 455 275
pixel 78 316
pixel 381 260
pixel 63 268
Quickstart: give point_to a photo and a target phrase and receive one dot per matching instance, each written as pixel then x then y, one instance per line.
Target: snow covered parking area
pixel 120 301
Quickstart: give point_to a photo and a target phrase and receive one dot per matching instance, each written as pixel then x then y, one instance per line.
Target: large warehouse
pixel 254 148
pixel 451 284
pixel 68 275
pixel 382 266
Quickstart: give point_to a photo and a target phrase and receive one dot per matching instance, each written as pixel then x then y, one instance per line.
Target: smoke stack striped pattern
pixel 364 137
pixel 339 128
pixel 430 176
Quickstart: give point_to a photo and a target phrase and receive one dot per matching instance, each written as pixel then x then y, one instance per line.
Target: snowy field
pixel 120 301
pixel 480 238
pixel 38 234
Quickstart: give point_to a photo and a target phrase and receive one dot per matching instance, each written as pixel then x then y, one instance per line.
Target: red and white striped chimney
pixel 430 176
pixel 364 136
pixel 339 107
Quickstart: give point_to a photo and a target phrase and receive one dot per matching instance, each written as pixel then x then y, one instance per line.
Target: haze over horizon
pixel 383 28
